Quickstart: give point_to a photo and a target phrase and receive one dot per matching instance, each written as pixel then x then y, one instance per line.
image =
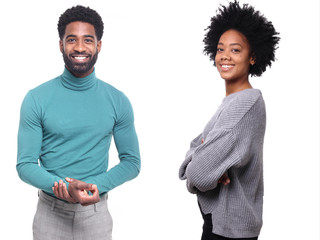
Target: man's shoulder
pixel 111 90
pixel 107 86
pixel 119 100
pixel 45 87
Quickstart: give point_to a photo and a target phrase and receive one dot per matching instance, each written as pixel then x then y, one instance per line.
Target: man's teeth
pixel 80 58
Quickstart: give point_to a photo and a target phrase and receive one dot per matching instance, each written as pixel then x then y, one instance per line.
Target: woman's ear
pixel 252 59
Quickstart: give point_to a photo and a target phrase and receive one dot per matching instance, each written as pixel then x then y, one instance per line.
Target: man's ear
pixel 99 43
pixel 61 45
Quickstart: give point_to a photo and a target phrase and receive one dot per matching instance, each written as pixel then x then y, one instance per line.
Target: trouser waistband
pixel 76 207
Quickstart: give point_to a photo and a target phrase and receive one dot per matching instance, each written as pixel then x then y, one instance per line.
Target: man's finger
pixel 54 189
pixel 79 184
pixel 84 186
pixel 66 195
pixel 94 198
pixel 95 191
pixel 88 200
pixel 69 180
pixel 60 189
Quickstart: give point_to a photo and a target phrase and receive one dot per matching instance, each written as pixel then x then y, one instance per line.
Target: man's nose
pixel 80 47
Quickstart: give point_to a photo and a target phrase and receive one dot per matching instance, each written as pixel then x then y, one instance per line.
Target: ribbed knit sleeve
pixel 226 145
pixel 210 161
pixel 194 144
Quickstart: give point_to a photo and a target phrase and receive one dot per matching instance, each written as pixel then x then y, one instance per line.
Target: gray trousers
pixel 58 220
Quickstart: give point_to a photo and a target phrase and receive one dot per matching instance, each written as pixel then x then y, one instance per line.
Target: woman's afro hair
pixel 259 32
pixel 81 14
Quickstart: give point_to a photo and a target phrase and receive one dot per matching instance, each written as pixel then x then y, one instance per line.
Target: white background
pixel 152 51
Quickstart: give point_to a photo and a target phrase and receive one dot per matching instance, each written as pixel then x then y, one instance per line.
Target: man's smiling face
pixel 80 48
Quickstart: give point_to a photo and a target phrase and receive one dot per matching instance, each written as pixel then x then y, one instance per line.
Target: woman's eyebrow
pixel 231 44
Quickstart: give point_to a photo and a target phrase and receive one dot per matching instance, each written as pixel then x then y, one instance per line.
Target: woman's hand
pixel 225 180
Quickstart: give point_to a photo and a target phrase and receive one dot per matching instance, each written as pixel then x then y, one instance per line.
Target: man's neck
pixel 81 75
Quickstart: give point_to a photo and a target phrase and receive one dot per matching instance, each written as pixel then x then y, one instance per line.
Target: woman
pixel 224 164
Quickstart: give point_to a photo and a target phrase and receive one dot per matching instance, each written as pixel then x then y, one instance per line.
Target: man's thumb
pixel 69 180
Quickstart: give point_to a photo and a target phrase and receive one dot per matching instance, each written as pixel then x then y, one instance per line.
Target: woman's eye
pixel 219 50
pixel 236 50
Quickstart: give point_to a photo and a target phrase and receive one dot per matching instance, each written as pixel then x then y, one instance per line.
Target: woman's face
pixel 233 56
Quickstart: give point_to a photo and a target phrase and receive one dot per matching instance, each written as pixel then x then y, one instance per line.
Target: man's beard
pixel 79 68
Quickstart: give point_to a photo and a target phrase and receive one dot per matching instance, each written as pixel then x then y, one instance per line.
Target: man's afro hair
pixel 81 14
pixel 259 32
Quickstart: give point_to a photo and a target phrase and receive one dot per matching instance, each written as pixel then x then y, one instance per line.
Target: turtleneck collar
pixel 78 84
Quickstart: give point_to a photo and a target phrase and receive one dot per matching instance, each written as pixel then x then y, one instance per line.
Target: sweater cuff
pixel 182 170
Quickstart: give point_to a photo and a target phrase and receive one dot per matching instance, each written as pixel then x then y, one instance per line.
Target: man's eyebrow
pixel 72 35
pixel 90 36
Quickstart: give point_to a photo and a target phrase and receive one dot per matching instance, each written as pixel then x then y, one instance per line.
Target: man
pixel 67 124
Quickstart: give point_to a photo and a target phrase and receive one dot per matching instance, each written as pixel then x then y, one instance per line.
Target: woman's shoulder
pixel 243 98
pixel 238 104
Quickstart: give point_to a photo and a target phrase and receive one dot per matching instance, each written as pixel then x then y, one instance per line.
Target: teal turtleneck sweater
pixel 67 124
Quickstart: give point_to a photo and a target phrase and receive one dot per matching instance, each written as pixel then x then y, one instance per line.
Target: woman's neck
pixel 232 87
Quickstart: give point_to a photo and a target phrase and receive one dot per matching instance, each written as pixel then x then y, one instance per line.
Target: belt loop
pixel 52 205
pixel 95 207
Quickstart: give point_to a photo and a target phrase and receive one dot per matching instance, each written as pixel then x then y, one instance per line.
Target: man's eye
pixel 70 40
pixel 88 40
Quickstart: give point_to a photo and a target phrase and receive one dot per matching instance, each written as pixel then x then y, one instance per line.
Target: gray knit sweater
pixel 233 143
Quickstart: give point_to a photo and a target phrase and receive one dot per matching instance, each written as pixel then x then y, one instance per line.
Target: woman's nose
pixel 225 56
